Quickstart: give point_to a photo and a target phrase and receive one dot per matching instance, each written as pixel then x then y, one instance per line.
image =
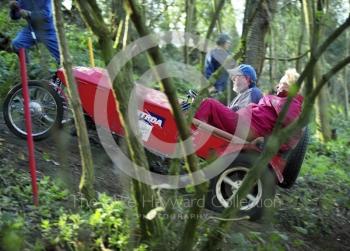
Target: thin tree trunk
pixel 211 26
pixel 218 20
pixel 190 22
pixel 346 93
pixel 300 41
pixel 87 177
pixel 260 16
pixel 308 14
pixel 323 129
pixel 143 194
pixel 273 60
pixel 188 237
pixel 217 10
pixel 346 79
pixel 249 15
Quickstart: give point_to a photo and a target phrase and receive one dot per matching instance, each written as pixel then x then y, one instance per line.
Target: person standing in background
pixel 215 58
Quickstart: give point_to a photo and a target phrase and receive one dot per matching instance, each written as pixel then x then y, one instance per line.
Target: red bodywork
pixel 156 114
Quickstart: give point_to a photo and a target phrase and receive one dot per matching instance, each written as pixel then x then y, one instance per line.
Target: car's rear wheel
pixel 224 187
pixel 295 161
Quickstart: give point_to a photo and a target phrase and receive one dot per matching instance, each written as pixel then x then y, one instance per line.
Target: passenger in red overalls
pixel 255 120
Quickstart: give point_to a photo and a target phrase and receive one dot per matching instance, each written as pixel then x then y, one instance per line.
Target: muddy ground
pixel 59 158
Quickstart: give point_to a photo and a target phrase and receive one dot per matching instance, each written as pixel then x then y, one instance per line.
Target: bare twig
pixel 289 59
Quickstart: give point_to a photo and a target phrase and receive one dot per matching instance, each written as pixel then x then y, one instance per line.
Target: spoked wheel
pixel 45 106
pixel 224 187
pixel 228 184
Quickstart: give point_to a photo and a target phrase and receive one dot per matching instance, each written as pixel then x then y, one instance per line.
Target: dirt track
pixel 58 157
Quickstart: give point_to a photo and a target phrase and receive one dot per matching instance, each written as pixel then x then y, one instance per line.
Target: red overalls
pixel 255 120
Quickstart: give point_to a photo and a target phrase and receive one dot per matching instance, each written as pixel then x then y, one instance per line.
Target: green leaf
pixel 153 213
pixel 301 230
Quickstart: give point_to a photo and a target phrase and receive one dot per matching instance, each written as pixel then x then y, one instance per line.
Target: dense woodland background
pixel 271 35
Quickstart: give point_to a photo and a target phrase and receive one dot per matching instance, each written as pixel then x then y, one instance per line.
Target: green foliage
pixel 104 224
pixel 8 62
pixel 7 80
pixel 320 199
pixel 142 247
pixel 11 230
pixel 89 225
pixel 241 239
pixel 17 215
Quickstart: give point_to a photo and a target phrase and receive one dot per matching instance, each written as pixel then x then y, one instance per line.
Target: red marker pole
pixel 28 122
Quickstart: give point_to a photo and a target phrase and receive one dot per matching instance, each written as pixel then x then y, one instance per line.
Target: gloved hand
pixel 192 94
pixel 185 106
pixel 24 13
pixel 14 5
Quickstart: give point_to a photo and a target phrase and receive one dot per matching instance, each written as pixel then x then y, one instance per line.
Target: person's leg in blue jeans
pixel 49 39
pixel 23 39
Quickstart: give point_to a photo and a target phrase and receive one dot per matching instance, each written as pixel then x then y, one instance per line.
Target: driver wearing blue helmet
pixel 244 84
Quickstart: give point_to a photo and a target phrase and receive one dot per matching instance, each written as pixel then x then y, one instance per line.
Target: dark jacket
pixel 213 60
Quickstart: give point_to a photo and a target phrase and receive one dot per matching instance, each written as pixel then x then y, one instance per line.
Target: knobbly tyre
pixel 49 112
